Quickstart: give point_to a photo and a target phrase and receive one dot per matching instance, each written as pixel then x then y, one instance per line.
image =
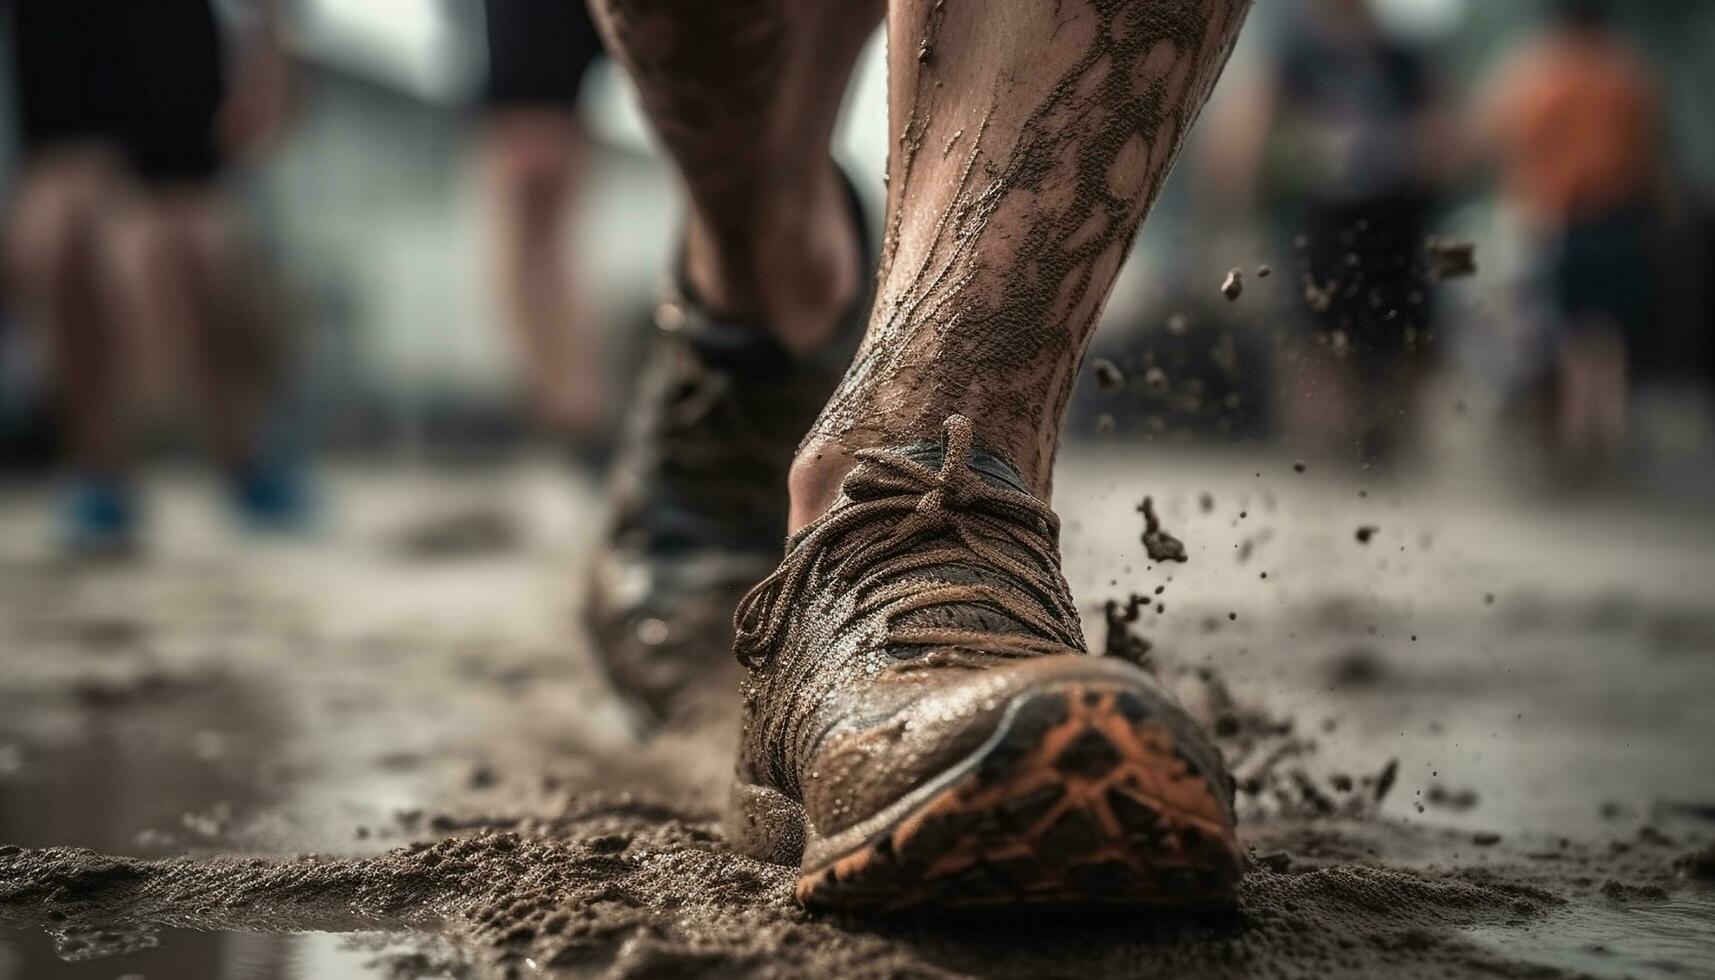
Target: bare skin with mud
pixel 1017 184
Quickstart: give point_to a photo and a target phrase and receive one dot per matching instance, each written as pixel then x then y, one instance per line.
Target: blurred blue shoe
pixel 99 517
pixel 271 496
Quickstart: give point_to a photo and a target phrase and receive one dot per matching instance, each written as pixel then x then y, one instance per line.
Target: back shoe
pixel 698 491
pixel 923 727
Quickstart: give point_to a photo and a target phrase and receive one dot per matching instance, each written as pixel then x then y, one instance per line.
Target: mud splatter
pixel 1110 380
pixel 1123 640
pixel 1698 864
pixel 1160 545
pixel 1234 285
pixel 1450 259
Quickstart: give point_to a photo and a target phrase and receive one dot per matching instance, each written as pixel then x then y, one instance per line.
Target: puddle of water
pixel 132 780
pixel 156 769
pixel 182 954
pixel 1669 939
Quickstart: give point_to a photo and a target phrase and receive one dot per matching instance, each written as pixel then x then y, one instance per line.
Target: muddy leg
pixel 1030 139
pixel 745 94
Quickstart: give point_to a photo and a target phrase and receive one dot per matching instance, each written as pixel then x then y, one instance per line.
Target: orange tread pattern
pixel 1084 800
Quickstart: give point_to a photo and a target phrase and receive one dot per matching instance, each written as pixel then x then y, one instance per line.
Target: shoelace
pixel 919 503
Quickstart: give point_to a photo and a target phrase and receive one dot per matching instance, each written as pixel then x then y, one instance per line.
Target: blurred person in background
pixel 1342 139
pixel 1573 119
pixel 535 152
pixel 121 246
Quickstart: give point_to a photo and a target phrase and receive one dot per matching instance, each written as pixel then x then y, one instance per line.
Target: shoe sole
pixel 1084 795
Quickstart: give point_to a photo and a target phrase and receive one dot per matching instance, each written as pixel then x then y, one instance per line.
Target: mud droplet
pixel 1385 781
pixel 1123 640
pixel 1450 258
pixel 1160 545
pixel 1110 380
pixel 1278 863
pixel 1317 298
pixel 1234 287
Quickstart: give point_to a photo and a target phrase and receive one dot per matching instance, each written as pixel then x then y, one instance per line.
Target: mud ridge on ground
pixel 633 889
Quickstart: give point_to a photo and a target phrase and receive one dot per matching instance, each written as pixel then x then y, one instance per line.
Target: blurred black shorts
pixel 1604 273
pixel 144 77
pixel 538 52
pixel 1369 254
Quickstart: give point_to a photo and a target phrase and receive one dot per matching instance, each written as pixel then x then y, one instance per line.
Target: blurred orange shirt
pixel 1574 119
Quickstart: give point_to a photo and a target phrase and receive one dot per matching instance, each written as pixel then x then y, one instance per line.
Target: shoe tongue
pixel 992 469
pixel 996 472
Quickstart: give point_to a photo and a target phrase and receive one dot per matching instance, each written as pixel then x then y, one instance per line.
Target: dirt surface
pixel 341 758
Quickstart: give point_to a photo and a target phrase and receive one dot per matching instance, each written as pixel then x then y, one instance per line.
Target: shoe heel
pixel 763 824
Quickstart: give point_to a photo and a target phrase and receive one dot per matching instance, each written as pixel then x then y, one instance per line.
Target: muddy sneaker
pixel 923 726
pixel 699 493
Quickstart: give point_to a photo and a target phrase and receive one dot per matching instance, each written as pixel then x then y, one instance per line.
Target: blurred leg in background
pixel 59 265
pixel 1574 120
pixel 745 95
pixel 1604 286
pixel 122 246
pixel 535 155
pixel 764 304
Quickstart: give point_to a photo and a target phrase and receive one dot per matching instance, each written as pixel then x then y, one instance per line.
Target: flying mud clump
pixel 1110 380
pixel 1234 286
pixel 1160 545
pixel 1450 259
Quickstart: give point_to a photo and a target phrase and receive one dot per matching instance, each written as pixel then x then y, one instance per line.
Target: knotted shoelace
pixel 897 504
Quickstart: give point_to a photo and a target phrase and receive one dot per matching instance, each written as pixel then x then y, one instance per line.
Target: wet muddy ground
pixel 383 752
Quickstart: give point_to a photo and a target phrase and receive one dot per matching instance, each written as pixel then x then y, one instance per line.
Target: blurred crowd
pixel 274 227
pixel 1362 157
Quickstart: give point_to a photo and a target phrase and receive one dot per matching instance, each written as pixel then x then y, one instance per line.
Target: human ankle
pixel 792 262
pixel 822 463
pixel 813 482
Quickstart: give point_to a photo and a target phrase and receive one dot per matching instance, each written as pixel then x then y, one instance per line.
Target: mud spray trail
pixel 383 760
